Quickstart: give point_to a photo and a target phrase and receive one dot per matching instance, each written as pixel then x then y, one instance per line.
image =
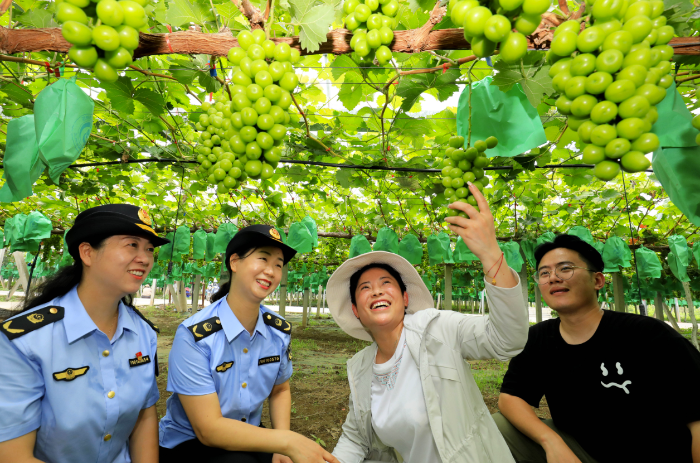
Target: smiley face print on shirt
pixel 620 372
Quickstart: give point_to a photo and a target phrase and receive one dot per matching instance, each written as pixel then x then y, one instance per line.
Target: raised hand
pixel 479 234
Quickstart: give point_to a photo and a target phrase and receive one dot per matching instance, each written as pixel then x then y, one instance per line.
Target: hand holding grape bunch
pixel 241 139
pixel 104 34
pixel 462 166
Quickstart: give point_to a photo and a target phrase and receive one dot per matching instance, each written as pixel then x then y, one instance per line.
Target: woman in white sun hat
pixel 412 395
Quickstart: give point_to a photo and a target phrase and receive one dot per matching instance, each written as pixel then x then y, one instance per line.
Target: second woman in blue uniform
pixel 227 359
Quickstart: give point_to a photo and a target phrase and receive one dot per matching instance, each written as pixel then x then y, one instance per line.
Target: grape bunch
pixel 241 139
pixel 104 34
pixel 465 165
pixel 610 76
pixel 488 23
pixel 371 30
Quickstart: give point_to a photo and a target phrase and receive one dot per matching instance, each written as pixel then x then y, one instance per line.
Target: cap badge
pixel 275 234
pixel 144 217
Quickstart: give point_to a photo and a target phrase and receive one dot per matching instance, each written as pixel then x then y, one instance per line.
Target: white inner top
pixel 399 415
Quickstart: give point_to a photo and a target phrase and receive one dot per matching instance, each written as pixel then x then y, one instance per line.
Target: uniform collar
pixel 233 327
pixel 78 323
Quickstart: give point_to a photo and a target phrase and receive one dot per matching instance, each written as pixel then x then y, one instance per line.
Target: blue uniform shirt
pixel 218 355
pixel 81 390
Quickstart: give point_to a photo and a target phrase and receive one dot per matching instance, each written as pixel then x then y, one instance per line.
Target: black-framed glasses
pixel 564 271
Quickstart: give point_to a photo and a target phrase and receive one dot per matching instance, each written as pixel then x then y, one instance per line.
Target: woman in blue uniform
pixel 79 366
pixel 227 359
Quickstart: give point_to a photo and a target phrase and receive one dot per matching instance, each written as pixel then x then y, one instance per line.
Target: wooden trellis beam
pixel 218 44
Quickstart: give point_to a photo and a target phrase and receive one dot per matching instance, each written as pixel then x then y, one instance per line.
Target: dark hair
pixel 588 253
pixel 243 251
pixel 355 278
pixel 63 281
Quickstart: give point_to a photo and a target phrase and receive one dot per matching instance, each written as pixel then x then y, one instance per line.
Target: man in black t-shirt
pixel 607 376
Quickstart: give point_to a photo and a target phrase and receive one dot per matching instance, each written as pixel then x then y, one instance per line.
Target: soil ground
pixel 319 384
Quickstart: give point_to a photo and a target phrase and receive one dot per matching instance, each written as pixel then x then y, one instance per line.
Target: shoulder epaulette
pixel 203 329
pixel 26 323
pixel 277 323
pixel 150 323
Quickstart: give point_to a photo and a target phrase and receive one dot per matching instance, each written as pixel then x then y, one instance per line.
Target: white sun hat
pixel 338 289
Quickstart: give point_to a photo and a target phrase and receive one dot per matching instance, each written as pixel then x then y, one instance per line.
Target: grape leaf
pixel 228 12
pixel 151 100
pixel 341 65
pixel 410 87
pixel 183 12
pixel 314 19
pixel 37 18
pixel 532 74
pixel 119 94
pixel 350 92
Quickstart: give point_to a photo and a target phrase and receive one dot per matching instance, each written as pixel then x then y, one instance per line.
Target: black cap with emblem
pixel 257 236
pixel 108 220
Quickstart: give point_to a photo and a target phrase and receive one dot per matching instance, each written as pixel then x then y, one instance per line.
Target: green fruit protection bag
pixel 511 251
pixel 310 224
pixel 22 166
pixel 358 245
pixel 224 234
pixel 462 253
pixel 300 238
pixel 696 253
pixel 616 253
pixel 199 244
pixel 528 247
pixel 63 122
pixel 182 240
pixel 212 270
pixel 66 258
pixel 411 249
pixel 677 162
pixel 210 254
pixel 648 263
pixel 439 250
pixel 678 258
pixel 547 237
pixel 581 232
pixel 508 116
pixel 166 252
pixel 387 240
pixel 29 230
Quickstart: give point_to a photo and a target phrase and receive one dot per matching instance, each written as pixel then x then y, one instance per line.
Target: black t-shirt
pixel 612 392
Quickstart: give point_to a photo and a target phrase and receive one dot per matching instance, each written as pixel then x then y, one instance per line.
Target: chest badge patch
pixel 620 371
pixel 139 360
pixel 224 366
pixel 266 360
pixel 69 374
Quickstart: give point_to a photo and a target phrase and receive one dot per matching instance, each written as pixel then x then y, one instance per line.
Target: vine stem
pixel 469 130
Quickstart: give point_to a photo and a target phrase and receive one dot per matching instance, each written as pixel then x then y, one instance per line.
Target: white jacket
pixel 439 342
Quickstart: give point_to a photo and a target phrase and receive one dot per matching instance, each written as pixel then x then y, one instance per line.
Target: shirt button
pixel 110 394
pixel 107 437
pixel 105 353
pixel 245 385
pixel 245 350
pixel 243 420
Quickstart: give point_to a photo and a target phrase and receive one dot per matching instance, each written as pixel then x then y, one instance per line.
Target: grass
pixel 488 375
